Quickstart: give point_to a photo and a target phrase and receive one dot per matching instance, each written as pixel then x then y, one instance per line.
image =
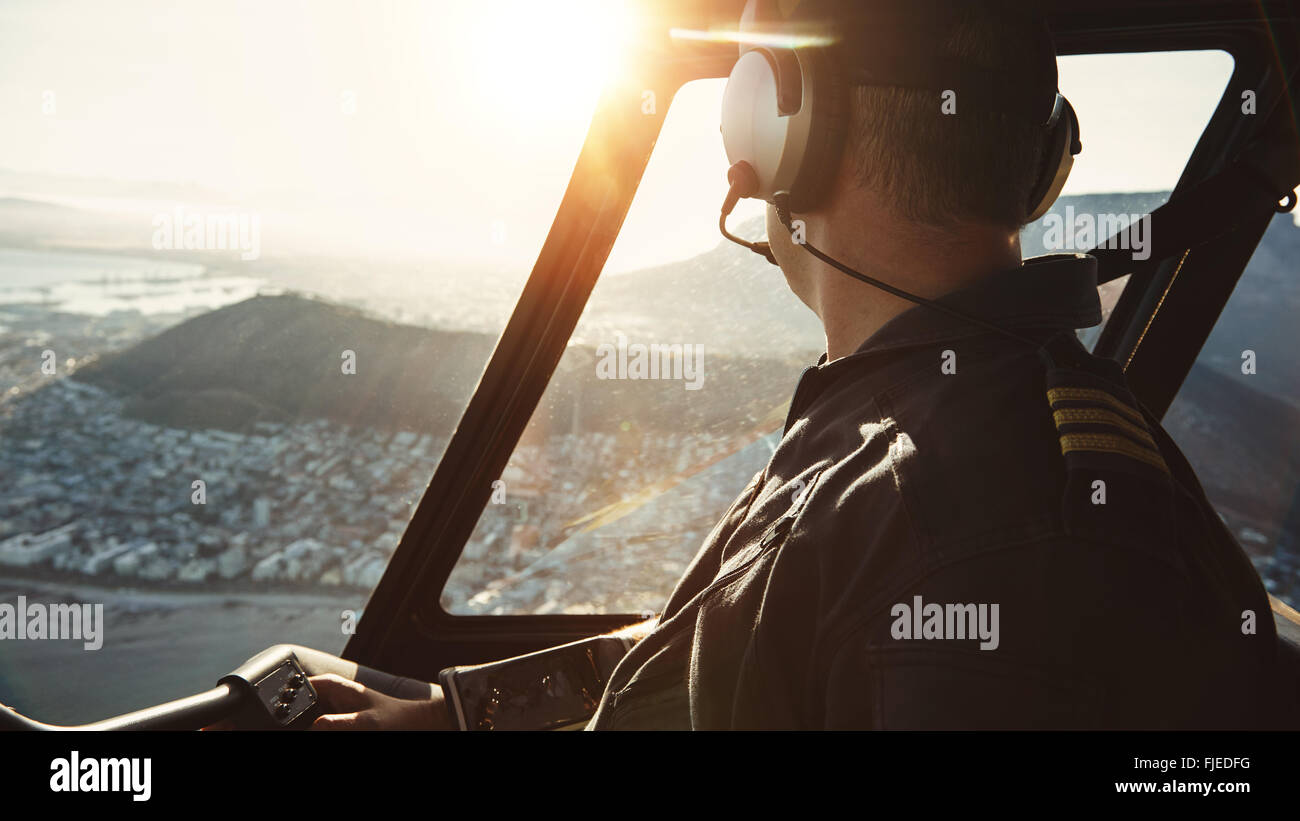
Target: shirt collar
pixel 1053 292
pixel 1058 291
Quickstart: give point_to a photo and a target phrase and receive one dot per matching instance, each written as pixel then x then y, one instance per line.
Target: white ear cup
pixel 797 153
pixel 754 132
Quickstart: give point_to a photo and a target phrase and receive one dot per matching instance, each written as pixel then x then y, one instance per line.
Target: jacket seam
pixel 920 536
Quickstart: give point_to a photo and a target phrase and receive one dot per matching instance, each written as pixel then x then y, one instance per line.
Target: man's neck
pixel 852 311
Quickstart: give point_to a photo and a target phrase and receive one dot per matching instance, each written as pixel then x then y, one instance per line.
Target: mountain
pixel 279 359
pixel 1128 204
pixel 1261 316
pixel 734 300
pixel 29 223
pixel 1243 443
pixel 737 301
pixel 728 299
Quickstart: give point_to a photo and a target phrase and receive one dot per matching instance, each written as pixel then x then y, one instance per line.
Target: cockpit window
pixel 673 391
pixel 667 401
pixel 1140 116
pixel 1237 415
pixel 253 259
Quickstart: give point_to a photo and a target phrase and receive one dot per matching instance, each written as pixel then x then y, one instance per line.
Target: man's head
pixel 943 161
pixel 931 185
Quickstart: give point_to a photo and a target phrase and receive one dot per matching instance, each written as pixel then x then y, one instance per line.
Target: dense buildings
pixel 317 504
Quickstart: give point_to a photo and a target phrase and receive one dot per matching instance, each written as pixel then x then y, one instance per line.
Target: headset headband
pixel 974 86
pixel 784 112
pixel 899 43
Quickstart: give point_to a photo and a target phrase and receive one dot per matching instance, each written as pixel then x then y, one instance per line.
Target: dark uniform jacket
pixel 962 530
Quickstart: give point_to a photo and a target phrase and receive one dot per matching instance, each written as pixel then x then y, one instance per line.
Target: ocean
pixel 99 284
pixel 157 645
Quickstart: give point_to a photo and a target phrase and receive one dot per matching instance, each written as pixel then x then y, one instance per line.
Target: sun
pixel 530 58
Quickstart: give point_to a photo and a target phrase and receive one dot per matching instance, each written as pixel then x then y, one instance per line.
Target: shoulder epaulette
pixel 1117 485
pixel 1100 424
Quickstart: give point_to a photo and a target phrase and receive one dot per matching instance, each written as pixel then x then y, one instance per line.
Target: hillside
pixel 727 299
pixel 278 359
pixel 1261 315
pixel 737 301
pixel 1243 443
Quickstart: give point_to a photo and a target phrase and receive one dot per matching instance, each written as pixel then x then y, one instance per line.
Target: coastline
pixel 158 645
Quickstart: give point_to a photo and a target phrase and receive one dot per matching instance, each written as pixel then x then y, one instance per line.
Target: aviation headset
pixel 784 108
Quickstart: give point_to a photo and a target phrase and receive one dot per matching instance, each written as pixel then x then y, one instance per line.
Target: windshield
pixel 253 258
pixel 624 470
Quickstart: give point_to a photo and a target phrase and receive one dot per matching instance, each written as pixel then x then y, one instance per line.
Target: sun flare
pixel 535 57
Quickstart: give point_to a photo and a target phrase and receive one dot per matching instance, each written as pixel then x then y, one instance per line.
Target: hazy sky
pixel 428 126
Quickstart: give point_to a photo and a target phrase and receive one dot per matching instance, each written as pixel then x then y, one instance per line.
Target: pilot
pixel 970 521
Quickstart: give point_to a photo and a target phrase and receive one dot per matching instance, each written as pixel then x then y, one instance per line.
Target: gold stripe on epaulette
pixel 1109 443
pixel 1100 416
pixel 1055 395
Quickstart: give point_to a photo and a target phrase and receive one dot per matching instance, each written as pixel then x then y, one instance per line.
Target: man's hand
pixel 352 706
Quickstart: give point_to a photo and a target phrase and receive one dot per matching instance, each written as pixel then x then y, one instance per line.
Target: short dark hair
pixel 941 169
